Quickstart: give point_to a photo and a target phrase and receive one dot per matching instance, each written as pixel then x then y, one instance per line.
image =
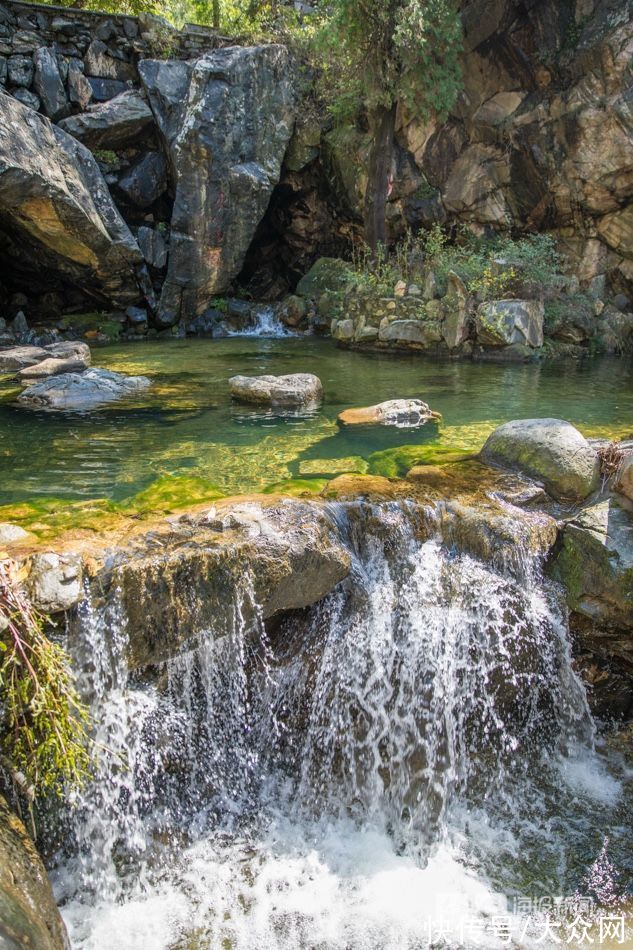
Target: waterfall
pixel 266 324
pixel 326 782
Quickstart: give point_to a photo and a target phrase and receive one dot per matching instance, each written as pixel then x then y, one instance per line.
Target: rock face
pixel 549 450
pixel 57 211
pixel 28 914
pixel 288 552
pixel 226 121
pixel 114 124
pixel 595 564
pixel 395 412
pixel 81 392
pixel 295 389
pixel 510 322
pixel 624 477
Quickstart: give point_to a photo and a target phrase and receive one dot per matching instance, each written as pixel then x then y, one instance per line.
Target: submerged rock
pixel 550 450
pixel 393 412
pixel 81 392
pixel 295 389
pixel 28 914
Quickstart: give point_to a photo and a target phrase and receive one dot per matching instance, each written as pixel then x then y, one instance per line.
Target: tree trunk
pixel 379 173
pixel 215 15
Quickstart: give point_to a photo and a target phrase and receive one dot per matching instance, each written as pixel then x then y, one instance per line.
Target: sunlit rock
pixel 295 389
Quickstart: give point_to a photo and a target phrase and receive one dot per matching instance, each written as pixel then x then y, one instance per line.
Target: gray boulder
pixel 79 89
pixel 99 63
pixel 20 70
pixel 510 322
pixel 48 84
pixel 105 89
pixel 81 392
pixel 27 98
pixel 114 124
pixel 19 357
pixel 54 582
pixel 146 180
pixel 56 206
pixel 226 121
pixel 295 389
pixel 153 247
pixel 550 450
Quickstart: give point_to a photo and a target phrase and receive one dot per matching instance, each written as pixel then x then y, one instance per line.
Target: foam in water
pixel 385 772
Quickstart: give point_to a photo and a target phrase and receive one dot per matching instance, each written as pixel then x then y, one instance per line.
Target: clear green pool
pixel 187 426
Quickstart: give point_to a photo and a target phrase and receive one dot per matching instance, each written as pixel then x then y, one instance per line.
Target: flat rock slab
pixel 81 392
pixel 403 413
pixel 51 367
pixel 295 389
pixel 18 358
pixel 113 124
pixel 550 450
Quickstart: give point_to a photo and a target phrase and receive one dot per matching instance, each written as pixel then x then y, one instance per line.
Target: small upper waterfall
pixel 351 775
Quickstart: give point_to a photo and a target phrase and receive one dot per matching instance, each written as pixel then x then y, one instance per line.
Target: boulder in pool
pixel 19 357
pixel 550 450
pixel 52 367
pixel 295 389
pixel 404 413
pixel 81 391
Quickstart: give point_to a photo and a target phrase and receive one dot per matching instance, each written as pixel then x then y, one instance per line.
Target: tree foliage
pixel 395 50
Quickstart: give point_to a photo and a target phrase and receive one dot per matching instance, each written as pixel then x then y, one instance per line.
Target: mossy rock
pixel 327 274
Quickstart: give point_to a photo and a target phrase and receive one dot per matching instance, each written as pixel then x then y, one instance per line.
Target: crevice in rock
pixel 304 221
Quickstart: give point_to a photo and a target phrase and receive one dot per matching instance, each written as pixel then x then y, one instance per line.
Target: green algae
pixel 297 486
pixel 171 493
pixel 395 463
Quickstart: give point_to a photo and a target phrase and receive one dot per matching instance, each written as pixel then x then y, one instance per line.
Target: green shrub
pixel 44 725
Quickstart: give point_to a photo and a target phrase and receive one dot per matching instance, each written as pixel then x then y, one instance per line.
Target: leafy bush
pixel 44 725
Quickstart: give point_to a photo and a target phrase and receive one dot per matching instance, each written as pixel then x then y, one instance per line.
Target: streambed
pixel 187 426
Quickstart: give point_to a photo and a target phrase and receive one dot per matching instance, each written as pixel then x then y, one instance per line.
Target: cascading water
pixel 266 324
pixel 388 769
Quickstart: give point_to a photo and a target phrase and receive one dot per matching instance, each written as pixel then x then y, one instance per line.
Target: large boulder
pixel 56 210
pixel 52 366
pixel 114 124
pixel 394 412
pixel 595 564
pixel 550 450
pixel 28 914
pixel 510 322
pixel 81 391
pixel 226 120
pixel 295 389
pixel 146 180
pixel 287 556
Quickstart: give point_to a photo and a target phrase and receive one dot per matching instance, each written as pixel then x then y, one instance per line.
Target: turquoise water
pixel 187 425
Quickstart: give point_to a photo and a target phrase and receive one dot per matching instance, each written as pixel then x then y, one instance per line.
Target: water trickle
pixel 266 324
pixel 393 754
